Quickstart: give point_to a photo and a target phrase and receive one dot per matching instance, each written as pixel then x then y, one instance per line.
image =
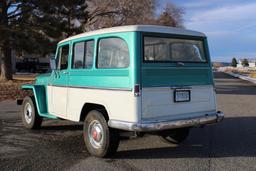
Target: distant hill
pixel 226 63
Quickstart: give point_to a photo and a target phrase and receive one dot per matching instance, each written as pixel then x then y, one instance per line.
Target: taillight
pixel 137 90
pixel 214 87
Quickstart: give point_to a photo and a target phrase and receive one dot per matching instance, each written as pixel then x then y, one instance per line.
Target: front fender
pixel 40 96
pixel 39 92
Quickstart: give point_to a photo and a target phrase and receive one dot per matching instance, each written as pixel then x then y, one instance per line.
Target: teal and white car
pixel 140 78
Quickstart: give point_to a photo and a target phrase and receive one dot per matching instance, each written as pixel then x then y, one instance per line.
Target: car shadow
pixel 234 137
pixel 62 127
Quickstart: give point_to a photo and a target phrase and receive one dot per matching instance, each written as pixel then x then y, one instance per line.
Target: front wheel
pixel 30 117
pixel 100 140
pixel 175 136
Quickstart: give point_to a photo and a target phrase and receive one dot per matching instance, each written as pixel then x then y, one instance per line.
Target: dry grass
pixel 251 72
pixel 30 77
pixel 11 89
pixel 245 71
pixel 253 75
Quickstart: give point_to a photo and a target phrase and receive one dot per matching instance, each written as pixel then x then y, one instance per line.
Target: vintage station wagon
pixel 140 78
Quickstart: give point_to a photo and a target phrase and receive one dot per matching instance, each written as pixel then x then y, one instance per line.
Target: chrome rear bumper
pixel 168 124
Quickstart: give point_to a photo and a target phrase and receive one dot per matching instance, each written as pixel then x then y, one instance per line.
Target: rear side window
pixel 113 53
pixel 83 53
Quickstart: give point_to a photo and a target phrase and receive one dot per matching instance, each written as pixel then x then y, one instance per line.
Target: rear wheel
pixel 100 140
pixel 30 117
pixel 175 136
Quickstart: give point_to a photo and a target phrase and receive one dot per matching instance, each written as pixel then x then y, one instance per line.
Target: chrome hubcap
pixel 28 113
pixel 95 133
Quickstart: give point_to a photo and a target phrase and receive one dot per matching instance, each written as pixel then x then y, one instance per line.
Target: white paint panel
pixel 120 105
pixel 142 28
pixel 159 102
pixel 57 101
pixel 49 98
pixel 155 103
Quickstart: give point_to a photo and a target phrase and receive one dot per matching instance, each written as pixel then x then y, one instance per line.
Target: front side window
pixel 159 49
pixel 63 57
pixel 113 53
pixel 83 54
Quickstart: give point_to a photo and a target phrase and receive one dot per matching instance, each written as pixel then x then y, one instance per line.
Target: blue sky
pixel 229 24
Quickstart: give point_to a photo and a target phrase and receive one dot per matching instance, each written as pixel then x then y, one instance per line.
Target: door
pixel 60 82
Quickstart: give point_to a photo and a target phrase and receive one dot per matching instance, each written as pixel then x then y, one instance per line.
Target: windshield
pixel 159 49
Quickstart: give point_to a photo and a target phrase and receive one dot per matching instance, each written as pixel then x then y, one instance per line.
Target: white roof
pixel 141 28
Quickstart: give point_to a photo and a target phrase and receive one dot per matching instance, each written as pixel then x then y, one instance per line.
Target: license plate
pixel 181 95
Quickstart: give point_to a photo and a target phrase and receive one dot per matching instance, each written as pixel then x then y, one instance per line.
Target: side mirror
pixel 53 64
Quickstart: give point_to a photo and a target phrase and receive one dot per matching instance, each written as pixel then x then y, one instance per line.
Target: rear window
pixel 160 49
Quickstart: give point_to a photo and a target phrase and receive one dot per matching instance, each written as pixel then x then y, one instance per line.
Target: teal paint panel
pixel 164 77
pixel 207 51
pixel 165 74
pixel 138 57
pixel 40 98
pixel 105 77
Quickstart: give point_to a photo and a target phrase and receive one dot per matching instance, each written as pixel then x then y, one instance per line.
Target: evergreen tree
pixel 245 62
pixel 35 26
pixel 234 62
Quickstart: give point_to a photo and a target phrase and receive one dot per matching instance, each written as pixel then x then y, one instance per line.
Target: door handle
pixel 65 72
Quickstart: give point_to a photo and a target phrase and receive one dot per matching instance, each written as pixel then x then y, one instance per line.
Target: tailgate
pixel 159 84
pixel 159 103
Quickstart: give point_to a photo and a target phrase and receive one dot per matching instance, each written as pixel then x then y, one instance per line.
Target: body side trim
pixel 87 87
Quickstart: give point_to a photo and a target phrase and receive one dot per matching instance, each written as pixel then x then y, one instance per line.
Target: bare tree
pixel 171 16
pixel 109 13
